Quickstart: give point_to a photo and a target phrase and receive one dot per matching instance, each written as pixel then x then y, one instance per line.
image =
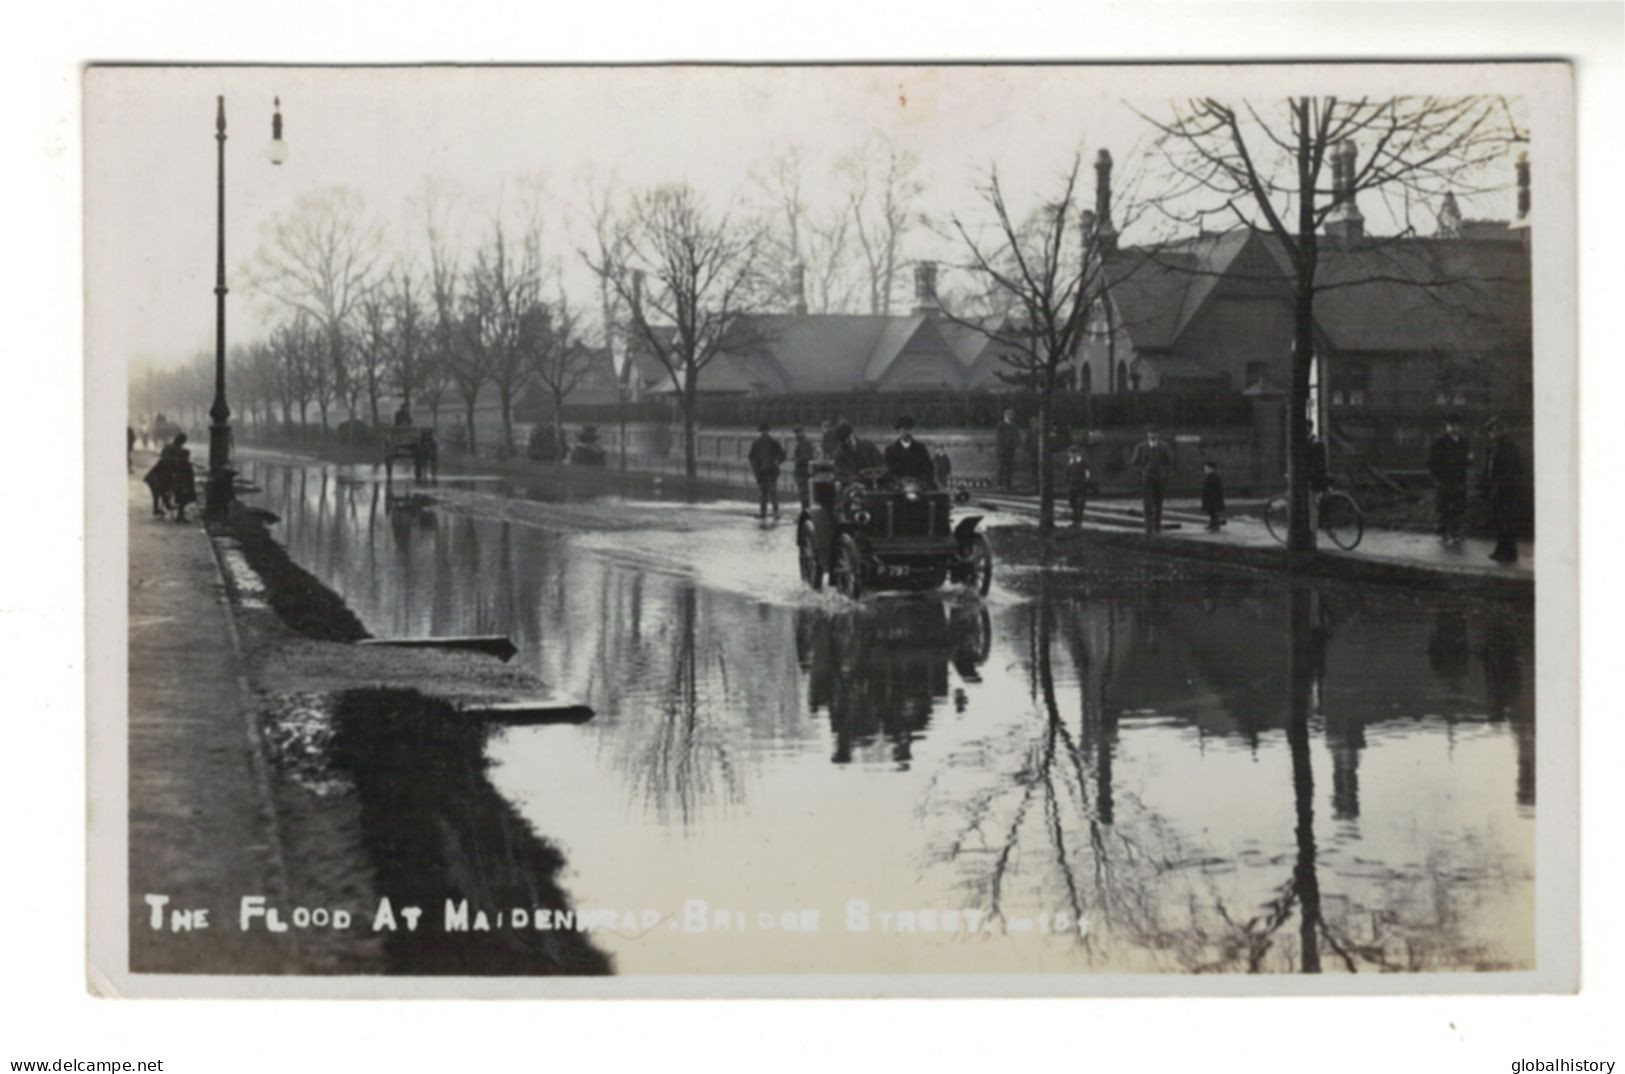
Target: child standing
pixel 1212 496
pixel 1077 482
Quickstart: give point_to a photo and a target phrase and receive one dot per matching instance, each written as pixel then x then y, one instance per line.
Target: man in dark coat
pixel 1006 445
pixel 1212 496
pixel 1078 478
pixel 1503 491
pixel 801 456
pixel 766 456
pixel 1448 462
pixel 853 454
pixel 1154 458
pixel 907 458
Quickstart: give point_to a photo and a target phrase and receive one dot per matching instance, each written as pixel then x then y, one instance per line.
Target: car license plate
pixel 891 570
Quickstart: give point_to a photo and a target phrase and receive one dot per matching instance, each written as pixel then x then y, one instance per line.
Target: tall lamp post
pixel 221 476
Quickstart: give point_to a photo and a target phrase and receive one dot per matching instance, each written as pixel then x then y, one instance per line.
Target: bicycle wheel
pixel 1340 518
pixel 1277 518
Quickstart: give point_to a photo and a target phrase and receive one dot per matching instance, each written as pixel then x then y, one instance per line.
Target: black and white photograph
pixel 838 530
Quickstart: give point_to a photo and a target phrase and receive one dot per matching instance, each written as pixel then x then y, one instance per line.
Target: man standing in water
pixel 1155 461
pixel 1447 462
pixel 766 456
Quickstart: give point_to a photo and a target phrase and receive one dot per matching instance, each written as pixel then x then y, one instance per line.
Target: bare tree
pixel 322 258
pixel 1040 281
pixel 883 184
pixel 689 283
pixel 1268 169
pixel 372 351
pixel 559 358
pixel 408 355
pixel 502 316
pixel 453 361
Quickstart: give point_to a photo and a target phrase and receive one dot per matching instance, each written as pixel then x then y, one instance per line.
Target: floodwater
pixel 1129 766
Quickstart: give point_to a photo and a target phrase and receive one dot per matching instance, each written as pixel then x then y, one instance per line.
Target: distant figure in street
pixel 943 465
pixel 1212 496
pixel 1154 458
pixel 403 415
pixel 129 449
pixel 853 455
pixel 908 459
pixel 1448 462
pixel 1078 479
pixel 1503 491
pixel 766 456
pixel 1006 444
pixel 801 456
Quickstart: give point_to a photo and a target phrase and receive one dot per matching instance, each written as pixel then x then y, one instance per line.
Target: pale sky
pixel 150 152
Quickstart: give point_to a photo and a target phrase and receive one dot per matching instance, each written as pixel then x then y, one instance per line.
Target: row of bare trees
pixel 682 283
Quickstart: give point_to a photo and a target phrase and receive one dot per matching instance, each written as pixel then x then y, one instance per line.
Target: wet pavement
pixel 1119 763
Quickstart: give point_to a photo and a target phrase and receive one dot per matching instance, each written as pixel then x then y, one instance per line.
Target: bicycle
pixel 1335 512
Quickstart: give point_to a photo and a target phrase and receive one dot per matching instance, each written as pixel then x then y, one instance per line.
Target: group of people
pixel 1501 483
pixel 846 454
pixel 172 480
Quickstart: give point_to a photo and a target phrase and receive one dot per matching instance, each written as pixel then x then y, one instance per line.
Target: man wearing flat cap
pixel 766 456
pixel 1154 458
pixel 853 454
pixel 907 458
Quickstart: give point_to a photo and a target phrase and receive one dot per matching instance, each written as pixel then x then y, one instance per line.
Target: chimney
pixel 1344 222
pixel 798 289
pixel 1449 218
pixel 925 288
pixel 1523 191
pixel 1106 235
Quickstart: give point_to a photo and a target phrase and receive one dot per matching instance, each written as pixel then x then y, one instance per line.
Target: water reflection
pixel 879 674
pixel 1130 747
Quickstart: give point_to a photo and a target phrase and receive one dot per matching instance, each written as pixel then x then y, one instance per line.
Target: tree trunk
pixel 372 398
pixel 468 412
pixel 506 396
pixel 1046 484
pixel 691 457
pixel 1300 534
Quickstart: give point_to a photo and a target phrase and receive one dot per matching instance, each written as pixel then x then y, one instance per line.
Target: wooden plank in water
pixel 490 644
pixel 529 713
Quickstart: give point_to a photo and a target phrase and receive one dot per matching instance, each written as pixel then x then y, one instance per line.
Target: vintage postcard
pixel 832 530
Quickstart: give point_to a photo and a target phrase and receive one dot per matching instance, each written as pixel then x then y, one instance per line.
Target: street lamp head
pixel 277 151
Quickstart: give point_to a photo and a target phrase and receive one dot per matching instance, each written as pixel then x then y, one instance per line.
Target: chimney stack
pixel 1344 222
pixel 798 289
pixel 1449 218
pixel 1523 190
pixel 1106 234
pixel 925 288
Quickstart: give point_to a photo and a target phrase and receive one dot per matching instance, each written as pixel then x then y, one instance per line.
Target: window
pixel 1350 384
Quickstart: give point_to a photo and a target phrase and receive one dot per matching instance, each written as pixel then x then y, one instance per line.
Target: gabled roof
pixel 1412 294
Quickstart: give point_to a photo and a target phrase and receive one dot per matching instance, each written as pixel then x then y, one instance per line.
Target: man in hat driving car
pixel 907 458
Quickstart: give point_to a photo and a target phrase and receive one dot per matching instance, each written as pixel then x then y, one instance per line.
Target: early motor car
pixel 879 532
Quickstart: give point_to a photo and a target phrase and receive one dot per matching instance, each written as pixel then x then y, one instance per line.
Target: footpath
pixel 1382 556
pixel 201 829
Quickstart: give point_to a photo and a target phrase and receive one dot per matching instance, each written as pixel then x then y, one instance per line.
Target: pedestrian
pixel 1503 491
pixel 1448 461
pixel 906 458
pixel 801 454
pixel 182 479
pixel 1212 496
pixel 943 465
pixel 1078 479
pixel 1007 442
pixel 157 480
pixel 129 449
pixel 1154 458
pixel 766 456
pixel 403 415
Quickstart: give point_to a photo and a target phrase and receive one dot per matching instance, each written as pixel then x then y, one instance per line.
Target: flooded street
pixel 1133 766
